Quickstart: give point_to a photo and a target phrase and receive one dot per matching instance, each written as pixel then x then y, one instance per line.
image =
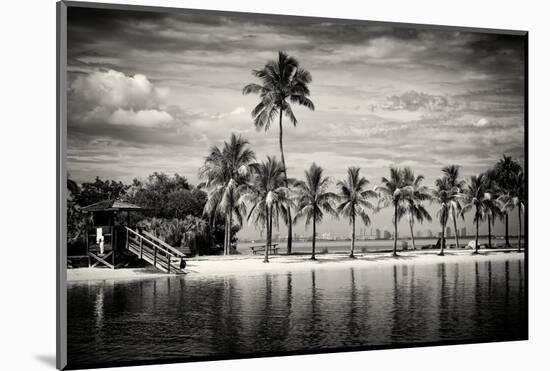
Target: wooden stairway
pixel 154 251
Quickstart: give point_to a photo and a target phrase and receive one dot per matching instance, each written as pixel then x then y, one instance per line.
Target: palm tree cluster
pixel 241 189
pixel 225 170
pixel 236 183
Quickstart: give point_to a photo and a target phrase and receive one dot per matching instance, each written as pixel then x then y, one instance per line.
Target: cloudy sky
pixel 153 91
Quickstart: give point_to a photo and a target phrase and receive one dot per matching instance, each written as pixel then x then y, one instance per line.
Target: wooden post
pixel 155 256
pixel 168 263
pixel 141 248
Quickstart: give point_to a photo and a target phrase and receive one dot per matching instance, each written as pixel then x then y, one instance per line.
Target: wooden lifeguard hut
pixel 105 236
pixel 111 239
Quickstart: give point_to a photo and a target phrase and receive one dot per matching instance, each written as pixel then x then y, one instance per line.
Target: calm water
pixel 179 317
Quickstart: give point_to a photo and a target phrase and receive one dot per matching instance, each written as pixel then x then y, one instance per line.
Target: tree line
pixel 242 189
pixel 173 210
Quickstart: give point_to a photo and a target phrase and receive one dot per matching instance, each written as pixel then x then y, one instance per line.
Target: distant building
pixel 430 233
pixel 464 233
pixel 448 232
pixel 387 235
pixel 326 236
pixel 378 234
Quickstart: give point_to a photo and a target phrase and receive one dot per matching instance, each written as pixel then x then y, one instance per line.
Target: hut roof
pixel 111 205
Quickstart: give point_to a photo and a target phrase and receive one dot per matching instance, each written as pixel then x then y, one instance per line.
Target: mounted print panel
pixel 240 185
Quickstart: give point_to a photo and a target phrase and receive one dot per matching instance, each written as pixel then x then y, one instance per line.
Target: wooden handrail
pixel 151 242
pixel 170 248
pixel 159 254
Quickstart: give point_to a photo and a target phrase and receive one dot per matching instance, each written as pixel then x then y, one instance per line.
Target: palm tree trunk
pixel 268 235
pixel 506 236
pixel 477 232
pixel 456 230
pixel 442 249
pixel 489 229
pixel 289 224
pixel 352 236
pixel 411 222
pixel 519 228
pixel 226 232
pixel 313 241
pixel 229 229
pixel 395 231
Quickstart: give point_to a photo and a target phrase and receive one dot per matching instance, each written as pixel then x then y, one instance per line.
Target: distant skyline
pixel 152 92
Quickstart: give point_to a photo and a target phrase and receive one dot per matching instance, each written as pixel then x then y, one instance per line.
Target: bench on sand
pixel 273 249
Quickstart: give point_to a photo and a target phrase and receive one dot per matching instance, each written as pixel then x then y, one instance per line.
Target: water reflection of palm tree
pixel 489 277
pixel 232 308
pixel 478 318
pixel 354 330
pixel 400 317
pixel 316 318
pixel 445 322
pixel 507 283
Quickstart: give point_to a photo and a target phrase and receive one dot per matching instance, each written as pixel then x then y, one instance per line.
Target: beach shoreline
pixel 253 264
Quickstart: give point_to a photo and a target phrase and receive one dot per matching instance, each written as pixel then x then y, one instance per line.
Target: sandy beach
pixel 249 264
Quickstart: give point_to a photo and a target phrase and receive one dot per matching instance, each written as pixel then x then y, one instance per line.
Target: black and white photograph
pixel 241 185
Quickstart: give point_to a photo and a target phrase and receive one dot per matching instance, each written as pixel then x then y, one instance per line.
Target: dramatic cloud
pixel 115 89
pixel 115 98
pixel 413 101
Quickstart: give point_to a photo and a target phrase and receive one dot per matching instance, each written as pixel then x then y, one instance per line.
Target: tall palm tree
pixel 490 207
pixel 515 199
pixel 353 201
pixel 283 82
pixel 268 196
pixel 395 191
pixel 225 169
pixel 451 173
pixel 506 169
pixel 473 195
pixel 314 199
pixel 414 207
pixel 443 195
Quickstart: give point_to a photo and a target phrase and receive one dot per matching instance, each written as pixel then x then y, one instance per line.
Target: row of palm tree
pixel 238 187
pixel 284 82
